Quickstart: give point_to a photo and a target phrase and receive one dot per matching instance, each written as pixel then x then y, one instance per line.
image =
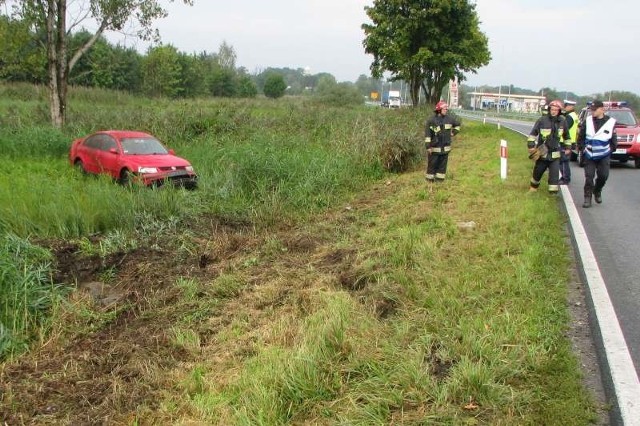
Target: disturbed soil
pixel 113 352
pixel 118 361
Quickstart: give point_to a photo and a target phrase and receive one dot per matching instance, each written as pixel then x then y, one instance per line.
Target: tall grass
pixel 259 161
pixel 26 293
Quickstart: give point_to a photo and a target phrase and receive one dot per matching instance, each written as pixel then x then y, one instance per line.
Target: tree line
pixel 163 71
pixel 38 46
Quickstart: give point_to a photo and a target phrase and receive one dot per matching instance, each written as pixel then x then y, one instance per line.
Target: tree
pixel 227 56
pixel 192 72
pixel 20 57
pixel 425 42
pixel 274 86
pixel 366 85
pixel 50 16
pixel 222 82
pixel 246 87
pixel 161 72
pixel 338 94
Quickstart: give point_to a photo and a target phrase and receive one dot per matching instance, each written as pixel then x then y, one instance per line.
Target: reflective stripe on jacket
pixel 597 143
pixel 438 132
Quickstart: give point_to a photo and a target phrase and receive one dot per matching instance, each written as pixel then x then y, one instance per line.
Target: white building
pixel 506 102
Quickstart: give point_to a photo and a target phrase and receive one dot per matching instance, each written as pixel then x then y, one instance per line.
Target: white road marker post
pixel 498 124
pixel 484 119
pixel 503 159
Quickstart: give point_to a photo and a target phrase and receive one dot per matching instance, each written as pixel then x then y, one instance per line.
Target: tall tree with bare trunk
pixel 51 17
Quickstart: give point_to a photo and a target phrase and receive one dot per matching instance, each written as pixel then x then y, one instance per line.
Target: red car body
pixel 130 156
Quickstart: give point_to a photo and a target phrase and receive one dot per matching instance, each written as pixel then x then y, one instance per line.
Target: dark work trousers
pixel 437 166
pixel 593 168
pixel 554 173
pixel 565 168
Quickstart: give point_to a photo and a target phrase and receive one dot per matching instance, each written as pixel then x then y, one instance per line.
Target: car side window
pixel 93 142
pixel 107 143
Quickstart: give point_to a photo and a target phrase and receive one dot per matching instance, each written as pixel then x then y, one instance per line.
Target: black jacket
pixel 439 129
pixel 552 131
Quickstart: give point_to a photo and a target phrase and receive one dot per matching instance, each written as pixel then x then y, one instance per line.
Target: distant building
pixel 506 102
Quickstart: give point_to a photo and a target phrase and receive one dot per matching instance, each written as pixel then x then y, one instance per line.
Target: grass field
pixel 314 278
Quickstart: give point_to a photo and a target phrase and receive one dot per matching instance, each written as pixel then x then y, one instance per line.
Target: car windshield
pixel 142 146
pixel 623 117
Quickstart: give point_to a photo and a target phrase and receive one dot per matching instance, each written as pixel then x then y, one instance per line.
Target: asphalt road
pixel 613 233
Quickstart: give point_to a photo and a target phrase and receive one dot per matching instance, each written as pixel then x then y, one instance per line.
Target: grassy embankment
pixel 375 308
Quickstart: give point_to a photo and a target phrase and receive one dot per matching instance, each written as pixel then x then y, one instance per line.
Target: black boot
pixel 598 197
pixel 587 202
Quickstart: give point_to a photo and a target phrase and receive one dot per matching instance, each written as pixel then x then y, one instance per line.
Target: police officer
pixel 599 139
pixel 439 130
pixel 571 117
pixel 548 138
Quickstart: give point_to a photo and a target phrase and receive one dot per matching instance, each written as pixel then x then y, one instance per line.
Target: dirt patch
pixel 103 376
pixel 87 378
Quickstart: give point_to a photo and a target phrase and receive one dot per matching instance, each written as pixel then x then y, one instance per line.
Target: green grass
pixel 26 294
pixel 394 315
pixel 477 334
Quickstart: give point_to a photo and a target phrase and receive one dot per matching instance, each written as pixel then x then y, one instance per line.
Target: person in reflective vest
pixel 599 139
pixel 439 130
pixel 548 138
pixel 572 123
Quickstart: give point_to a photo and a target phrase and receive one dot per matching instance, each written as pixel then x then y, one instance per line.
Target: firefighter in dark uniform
pixel 549 136
pixel 598 137
pixel 439 130
pixel 572 123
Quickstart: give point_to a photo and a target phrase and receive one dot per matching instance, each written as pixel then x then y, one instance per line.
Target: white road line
pixel 623 373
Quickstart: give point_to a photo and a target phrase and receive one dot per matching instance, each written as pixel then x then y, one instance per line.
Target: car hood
pixel 158 160
pixel 624 128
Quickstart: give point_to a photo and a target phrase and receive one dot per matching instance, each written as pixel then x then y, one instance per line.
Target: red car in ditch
pixel 129 157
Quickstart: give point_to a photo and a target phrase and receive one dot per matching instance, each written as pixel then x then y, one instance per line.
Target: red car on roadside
pixel 130 156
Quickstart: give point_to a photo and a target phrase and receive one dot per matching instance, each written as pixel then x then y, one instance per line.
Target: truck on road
pixel 395 101
pixel 391 99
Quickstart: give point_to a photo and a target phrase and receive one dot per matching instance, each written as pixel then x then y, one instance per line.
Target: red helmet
pixel 440 105
pixel 557 103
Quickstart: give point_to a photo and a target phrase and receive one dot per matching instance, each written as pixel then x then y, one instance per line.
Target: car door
pixel 109 156
pixel 88 153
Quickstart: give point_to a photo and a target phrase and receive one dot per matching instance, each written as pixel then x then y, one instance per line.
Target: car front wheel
pixel 126 177
pixel 80 167
pixel 636 161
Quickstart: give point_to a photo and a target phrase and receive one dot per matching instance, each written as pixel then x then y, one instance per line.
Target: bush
pixel 340 94
pixel 274 86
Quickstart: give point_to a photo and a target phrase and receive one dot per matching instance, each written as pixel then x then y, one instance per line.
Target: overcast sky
pixel 583 46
